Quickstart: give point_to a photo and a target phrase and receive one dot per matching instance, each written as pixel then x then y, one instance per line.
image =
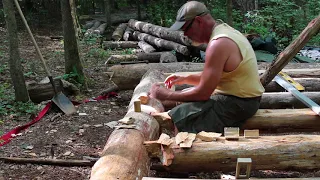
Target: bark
pixel 91 30
pixel 42 92
pixel 101 29
pixel 76 23
pixel 71 51
pixel 161 43
pixel 55 162
pixel 124 156
pixel 118 33
pixel 16 72
pixel 147 48
pixel 284 120
pixel 120 44
pixel 127 77
pixel 291 152
pixel 229 12
pixel 128 34
pixel 107 5
pixel 89 24
pixel 286 55
pixel 160 32
pixel 150 57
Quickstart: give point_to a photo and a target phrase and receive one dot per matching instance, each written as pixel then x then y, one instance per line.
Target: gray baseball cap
pixel 187 12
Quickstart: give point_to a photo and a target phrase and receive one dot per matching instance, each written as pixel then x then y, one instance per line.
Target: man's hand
pixel 159 92
pixel 173 80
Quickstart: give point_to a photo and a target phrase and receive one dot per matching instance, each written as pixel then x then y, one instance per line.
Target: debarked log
pixel 291 152
pixel 119 44
pixel 161 32
pixel 124 156
pixel 161 43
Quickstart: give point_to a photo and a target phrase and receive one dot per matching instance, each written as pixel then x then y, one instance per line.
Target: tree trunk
pixel 284 120
pixel 127 77
pixel 291 152
pixel 256 4
pixel 71 52
pixel 108 4
pixel 150 57
pixel 160 32
pixel 161 43
pixel 229 12
pixel 147 48
pixel 124 156
pixel 77 26
pixel 285 56
pixel 16 72
pixel 119 44
pixel 118 33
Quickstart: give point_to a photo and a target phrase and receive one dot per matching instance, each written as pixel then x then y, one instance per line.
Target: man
pixel 230 74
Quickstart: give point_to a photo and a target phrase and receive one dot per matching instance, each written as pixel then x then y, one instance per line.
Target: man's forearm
pixel 192 94
pixel 193 79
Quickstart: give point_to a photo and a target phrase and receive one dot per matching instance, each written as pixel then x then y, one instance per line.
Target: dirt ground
pixel 77 136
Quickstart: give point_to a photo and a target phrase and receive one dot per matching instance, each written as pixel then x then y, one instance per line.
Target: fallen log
pixel 284 120
pixel 150 57
pixel 55 162
pixel 118 33
pixel 154 178
pixel 101 29
pixel 147 48
pixel 161 32
pixel 291 152
pixel 161 43
pixel 124 156
pixel 89 24
pixel 286 55
pixel 119 44
pixel 127 77
pixel 128 34
pixel 310 84
pixel 95 26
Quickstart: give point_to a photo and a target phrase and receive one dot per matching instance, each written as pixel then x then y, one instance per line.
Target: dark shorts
pixel 215 114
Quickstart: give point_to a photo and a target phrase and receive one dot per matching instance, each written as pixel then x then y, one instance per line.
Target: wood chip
pixel 188 142
pixel 144 99
pixel 127 120
pixel 181 136
pixel 167 155
pixel 164 139
pixel 208 136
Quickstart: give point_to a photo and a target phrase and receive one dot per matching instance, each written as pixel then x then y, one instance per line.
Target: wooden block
pixel 188 142
pixel 164 139
pixel 231 133
pixel 208 136
pixel 137 106
pixel 243 161
pixel 180 137
pixel 127 120
pixel 251 133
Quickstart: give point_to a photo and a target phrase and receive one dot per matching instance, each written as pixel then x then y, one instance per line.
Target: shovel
pixel 59 98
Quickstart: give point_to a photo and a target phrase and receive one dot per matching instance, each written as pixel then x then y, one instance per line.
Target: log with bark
pixel 128 34
pixel 118 33
pixel 124 156
pixel 127 77
pixel 161 43
pixel 94 27
pixel 160 32
pixel 286 55
pixel 39 92
pixel 101 29
pixel 119 44
pixel 147 48
pixel 290 152
pixel 150 57
pixel 55 162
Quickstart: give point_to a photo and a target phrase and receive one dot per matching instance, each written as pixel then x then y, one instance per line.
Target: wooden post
pixel 285 56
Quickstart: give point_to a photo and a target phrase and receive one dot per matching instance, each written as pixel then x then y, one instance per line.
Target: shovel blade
pixel 64 103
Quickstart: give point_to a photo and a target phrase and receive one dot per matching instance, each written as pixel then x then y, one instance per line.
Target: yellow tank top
pixel 244 80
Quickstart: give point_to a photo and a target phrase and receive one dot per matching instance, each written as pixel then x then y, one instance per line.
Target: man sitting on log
pixel 228 91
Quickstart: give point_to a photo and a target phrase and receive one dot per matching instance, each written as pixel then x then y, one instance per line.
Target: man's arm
pixel 217 54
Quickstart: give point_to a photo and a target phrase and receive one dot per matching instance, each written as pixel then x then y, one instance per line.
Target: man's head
pixel 188 12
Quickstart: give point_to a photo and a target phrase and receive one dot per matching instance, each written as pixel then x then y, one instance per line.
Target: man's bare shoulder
pixel 222 43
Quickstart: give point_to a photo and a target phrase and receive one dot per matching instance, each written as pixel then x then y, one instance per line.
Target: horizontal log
pixel 119 31
pixel 147 48
pixel 128 34
pixel 55 162
pixel 150 57
pixel 161 32
pixel 291 152
pixel 310 84
pixel 119 44
pixel 101 29
pixel 154 178
pixel 284 120
pixel 161 43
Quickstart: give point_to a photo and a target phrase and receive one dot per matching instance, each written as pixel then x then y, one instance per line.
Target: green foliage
pixel 98 53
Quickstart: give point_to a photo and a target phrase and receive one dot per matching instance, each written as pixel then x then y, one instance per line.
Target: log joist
pixel 290 152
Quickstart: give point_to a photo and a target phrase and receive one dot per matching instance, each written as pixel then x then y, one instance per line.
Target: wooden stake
pixel 137 106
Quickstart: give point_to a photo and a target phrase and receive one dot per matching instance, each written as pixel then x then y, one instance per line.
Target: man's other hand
pixel 159 92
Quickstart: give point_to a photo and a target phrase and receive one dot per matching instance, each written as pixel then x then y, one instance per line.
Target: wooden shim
pixel 118 33
pixel 161 43
pixel 147 48
pixel 119 44
pixel 161 32
pixel 286 55
pixel 55 162
pixel 127 77
pixel 291 152
pixel 101 29
pixel 128 34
